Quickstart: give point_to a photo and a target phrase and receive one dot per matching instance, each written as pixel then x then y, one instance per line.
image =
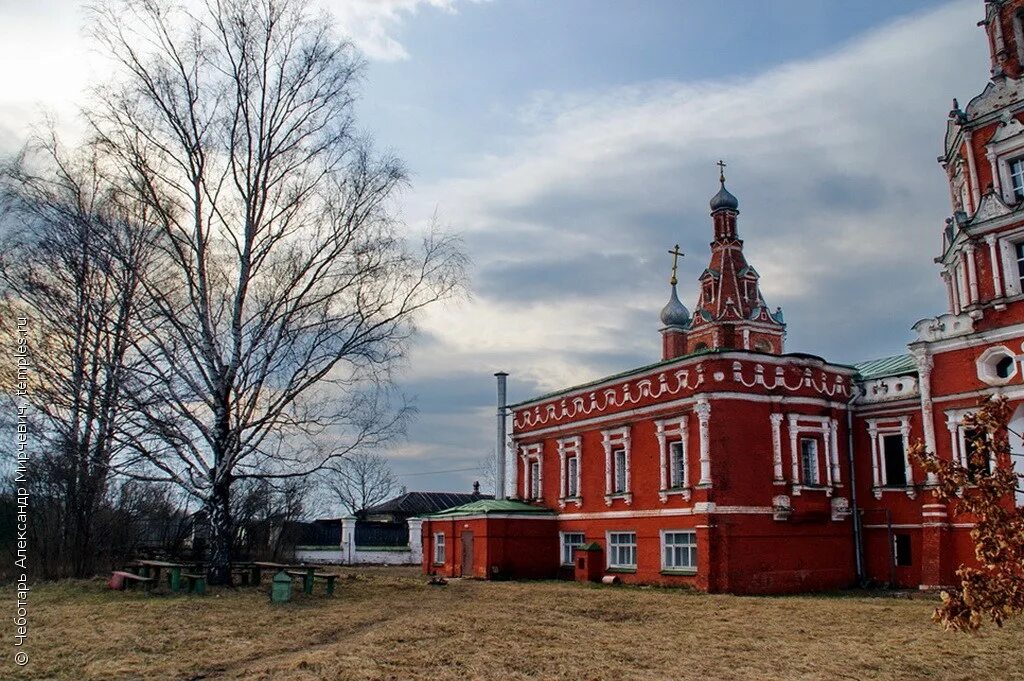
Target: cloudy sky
pixel 572 142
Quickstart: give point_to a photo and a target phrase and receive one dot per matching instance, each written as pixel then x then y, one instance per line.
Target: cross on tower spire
pixel 676 254
pixel 721 171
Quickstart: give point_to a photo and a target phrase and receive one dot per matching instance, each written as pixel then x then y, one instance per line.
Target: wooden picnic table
pixel 258 566
pixel 173 571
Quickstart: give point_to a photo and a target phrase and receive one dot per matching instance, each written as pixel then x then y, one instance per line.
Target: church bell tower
pixel 730 313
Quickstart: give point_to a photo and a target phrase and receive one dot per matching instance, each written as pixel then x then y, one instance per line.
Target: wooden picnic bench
pixel 257 567
pixel 120 579
pixel 309 575
pixel 155 566
pixel 195 583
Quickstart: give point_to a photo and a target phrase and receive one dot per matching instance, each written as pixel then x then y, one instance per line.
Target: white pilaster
pixel 348 539
pixel 662 454
pixel 925 363
pixel 794 454
pixel 607 444
pixel 997 181
pixel 909 470
pixel 776 420
pixel 703 411
pixel 834 436
pixel 975 193
pixel 415 536
pixel 876 477
pixel 972 272
pixel 993 256
pixel 955 286
pixel 953 426
pixel 949 291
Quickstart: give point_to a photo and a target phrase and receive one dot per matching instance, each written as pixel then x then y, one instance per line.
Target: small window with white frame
pixel 571 540
pixel 572 476
pixel 532 478
pixel 679 550
pixel 569 454
pixel 1016 167
pixel 672 434
pixel 677 465
pixel 439 548
pixel 809 461
pixel 894 457
pixel 616 443
pixel 622 550
pixel 619 461
pixel 1018 252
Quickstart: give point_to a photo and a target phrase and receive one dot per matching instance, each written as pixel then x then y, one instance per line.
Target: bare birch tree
pixel 71 261
pixel 288 293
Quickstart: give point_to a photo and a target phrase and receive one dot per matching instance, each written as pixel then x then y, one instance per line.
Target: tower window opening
pixel 1017 178
pixel 1019 252
pixel 1004 367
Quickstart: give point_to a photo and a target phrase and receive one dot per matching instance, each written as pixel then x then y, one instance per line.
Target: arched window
pixel 763 346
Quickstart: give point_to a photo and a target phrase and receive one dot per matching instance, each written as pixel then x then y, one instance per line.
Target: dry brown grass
pixel 389 624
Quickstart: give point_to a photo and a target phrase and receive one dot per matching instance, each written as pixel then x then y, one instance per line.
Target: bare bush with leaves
pixel 985 488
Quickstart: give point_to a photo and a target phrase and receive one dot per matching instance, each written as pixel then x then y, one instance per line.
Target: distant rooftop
pixel 422 503
pixel 886 366
pixel 486 506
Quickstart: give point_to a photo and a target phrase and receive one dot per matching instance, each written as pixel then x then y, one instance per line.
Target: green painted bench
pixel 195 583
pixel 308 577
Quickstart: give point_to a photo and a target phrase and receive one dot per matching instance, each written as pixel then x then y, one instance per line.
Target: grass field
pixel 390 624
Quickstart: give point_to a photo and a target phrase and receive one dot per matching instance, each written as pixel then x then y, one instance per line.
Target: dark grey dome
pixel 724 199
pixel 675 313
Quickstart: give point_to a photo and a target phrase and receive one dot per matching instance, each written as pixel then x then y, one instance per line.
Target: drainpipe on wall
pixel 858 539
pixel 499 445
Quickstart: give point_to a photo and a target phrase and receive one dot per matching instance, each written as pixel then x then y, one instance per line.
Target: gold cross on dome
pixel 721 171
pixel 676 254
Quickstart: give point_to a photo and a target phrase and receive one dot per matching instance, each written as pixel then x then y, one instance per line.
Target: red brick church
pixel 734 466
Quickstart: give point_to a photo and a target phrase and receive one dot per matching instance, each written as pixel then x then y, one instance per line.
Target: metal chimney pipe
pixel 499 445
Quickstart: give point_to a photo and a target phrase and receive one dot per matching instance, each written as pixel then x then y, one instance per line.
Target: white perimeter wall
pixel 349 554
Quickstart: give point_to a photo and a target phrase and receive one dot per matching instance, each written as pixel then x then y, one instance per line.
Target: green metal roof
pixel 887 366
pixel 485 506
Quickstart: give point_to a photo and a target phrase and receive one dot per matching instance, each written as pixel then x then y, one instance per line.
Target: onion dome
pixel 724 199
pixel 675 313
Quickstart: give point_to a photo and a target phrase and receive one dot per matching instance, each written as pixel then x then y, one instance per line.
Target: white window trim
pixel 808 438
pixel 828 428
pixel 877 430
pixel 614 439
pixel 609 552
pixel 678 570
pixel 561 546
pixel 529 454
pixel 958 435
pixel 985 366
pixel 439 547
pixel 569 447
pixel 1007 251
pixel 1005 152
pixel 670 431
